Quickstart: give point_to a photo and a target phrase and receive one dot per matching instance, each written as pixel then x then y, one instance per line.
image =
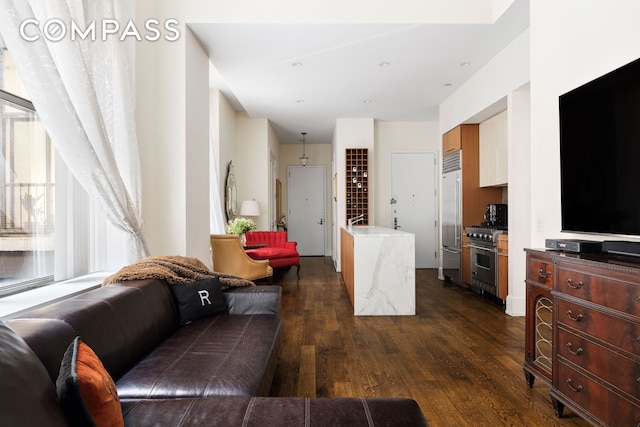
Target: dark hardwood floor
pixel 460 357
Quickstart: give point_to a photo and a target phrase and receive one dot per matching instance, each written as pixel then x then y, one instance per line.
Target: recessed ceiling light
pixel 300 101
pixel 465 64
pixel 448 84
pixel 383 64
pixel 297 64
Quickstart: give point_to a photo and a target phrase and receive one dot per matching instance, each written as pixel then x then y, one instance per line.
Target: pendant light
pixel 304 158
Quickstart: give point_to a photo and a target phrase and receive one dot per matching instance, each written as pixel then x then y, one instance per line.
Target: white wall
pixel 351 133
pixel 483 95
pixel 160 121
pixel 252 164
pixel 397 137
pixel 196 187
pixel 223 133
pixel 274 153
pixel 572 42
pixel 319 155
pixel 499 85
pixel 519 177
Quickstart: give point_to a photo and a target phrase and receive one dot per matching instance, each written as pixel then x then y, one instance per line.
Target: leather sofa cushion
pixel 274 411
pixel 216 356
pixel 48 338
pixel 264 299
pixel 27 394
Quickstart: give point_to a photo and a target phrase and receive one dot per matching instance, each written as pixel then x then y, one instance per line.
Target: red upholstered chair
pixel 278 250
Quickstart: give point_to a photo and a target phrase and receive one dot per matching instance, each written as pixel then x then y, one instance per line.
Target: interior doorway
pixel 306 200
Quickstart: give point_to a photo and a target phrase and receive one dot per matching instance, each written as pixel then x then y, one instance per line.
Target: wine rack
pixel 357 181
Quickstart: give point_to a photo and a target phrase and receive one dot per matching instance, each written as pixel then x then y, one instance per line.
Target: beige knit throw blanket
pixel 173 270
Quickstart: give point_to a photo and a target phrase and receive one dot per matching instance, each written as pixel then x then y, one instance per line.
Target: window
pixel 27 188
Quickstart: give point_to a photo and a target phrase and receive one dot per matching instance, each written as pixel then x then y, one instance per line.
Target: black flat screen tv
pixel 600 154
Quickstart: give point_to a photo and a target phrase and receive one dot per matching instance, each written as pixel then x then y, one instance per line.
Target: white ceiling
pixel 303 77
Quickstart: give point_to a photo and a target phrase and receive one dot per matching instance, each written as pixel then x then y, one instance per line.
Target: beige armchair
pixel 229 257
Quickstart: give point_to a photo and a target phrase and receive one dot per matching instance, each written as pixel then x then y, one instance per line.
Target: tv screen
pixel 600 154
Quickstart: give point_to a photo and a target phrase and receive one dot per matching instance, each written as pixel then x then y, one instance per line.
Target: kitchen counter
pixel 372 230
pixel 378 268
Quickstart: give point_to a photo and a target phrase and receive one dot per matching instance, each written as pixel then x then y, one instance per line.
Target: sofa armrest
pixel 254 300
pixel 291 245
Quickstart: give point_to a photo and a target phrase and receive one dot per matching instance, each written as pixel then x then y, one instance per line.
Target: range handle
pixel 483 248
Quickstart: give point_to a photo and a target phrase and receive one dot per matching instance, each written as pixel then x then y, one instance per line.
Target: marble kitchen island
pixel 378 269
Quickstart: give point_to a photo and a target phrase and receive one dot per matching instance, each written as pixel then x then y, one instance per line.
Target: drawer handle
pixel 575 353
pixel 544 274
pixel 577 318
pixel 576 286
pixel 577 388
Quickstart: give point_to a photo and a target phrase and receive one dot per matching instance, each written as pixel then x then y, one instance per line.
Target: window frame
pixel 19 285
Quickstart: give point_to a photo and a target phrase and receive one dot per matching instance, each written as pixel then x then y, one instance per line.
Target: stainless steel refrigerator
pixel 452 216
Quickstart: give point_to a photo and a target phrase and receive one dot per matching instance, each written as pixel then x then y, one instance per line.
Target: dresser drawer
pixel 596 399
pixel 619 371
pixel 540 270
pixel 616 331
pixel 616 294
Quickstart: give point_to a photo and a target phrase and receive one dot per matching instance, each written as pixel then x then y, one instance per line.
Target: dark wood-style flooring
pixel 460 357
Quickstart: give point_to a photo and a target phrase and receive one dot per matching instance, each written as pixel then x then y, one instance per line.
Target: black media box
pixel 621 247
pixel 573 245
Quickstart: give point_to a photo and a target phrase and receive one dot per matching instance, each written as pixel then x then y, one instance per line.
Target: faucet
pixel 355 220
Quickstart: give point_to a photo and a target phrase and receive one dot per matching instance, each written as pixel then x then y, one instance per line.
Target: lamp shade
pixel 250 208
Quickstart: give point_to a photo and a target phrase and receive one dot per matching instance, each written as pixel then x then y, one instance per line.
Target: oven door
pixel 483 264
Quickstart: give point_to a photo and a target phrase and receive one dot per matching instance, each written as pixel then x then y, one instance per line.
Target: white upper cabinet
pixel 493 151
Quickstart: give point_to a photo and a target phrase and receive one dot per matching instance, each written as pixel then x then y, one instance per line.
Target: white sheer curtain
pixel 83 94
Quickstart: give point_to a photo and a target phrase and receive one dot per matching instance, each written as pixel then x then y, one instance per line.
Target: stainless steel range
pixel 483 245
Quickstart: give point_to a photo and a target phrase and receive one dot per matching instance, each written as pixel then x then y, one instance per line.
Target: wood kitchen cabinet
pixel 451 141
pixel 346 261
pixel 503 266
pixel 465 266
pixel 595 367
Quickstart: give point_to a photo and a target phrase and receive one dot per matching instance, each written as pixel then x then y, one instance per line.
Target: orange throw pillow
pixel 87 392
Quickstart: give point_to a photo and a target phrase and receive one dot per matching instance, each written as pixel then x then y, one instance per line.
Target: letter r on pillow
pixel 204 296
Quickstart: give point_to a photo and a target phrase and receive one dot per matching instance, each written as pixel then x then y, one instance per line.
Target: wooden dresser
pixel 596 336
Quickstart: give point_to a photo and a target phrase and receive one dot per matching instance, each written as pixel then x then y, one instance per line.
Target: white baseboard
pixel 516 307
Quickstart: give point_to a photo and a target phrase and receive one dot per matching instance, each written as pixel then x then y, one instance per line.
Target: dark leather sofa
pixel 213 371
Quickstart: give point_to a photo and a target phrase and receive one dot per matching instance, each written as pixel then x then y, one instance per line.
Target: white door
pixel 306 220
pixel 413 202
